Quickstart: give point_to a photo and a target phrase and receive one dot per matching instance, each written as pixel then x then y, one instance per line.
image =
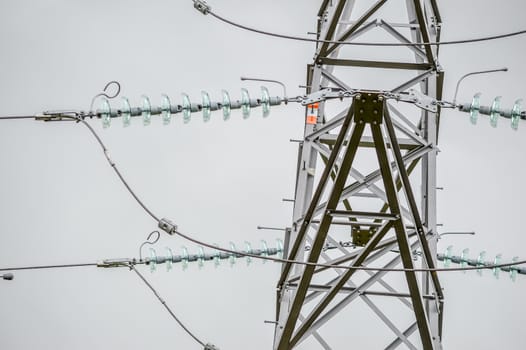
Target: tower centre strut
pixel 334 194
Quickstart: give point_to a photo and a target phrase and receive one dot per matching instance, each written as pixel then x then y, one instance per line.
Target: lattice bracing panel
pixel 366 176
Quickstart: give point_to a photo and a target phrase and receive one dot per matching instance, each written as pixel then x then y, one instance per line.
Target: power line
pixel 173 229
pixel 17 117
pixel 166 306
pixel 40 267
pixel 133 262
pixel 385 44
pixel 359 268
pixel 114 167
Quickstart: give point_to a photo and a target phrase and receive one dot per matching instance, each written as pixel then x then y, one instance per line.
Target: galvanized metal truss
pixel 334 200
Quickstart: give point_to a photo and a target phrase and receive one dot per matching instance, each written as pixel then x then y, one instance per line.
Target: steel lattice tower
pixel 334 196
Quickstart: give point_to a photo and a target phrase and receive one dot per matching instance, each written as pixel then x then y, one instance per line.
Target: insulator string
pixel 478 263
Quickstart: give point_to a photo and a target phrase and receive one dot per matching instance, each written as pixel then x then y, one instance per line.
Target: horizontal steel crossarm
pixel 393 24
pixel 367 141
pixel 374 64
pixel 326 287
pixel 360 259
pixel 363 214
pixel 388 322
pixel 332 202
pixel 325 51
pixel 324 136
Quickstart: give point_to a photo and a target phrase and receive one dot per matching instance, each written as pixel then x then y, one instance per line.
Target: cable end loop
pixel 167 226
pixel 202 6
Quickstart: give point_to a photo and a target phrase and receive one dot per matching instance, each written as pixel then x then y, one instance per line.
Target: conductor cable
pixel 114 167
pixel 385 44
pixel 174 230
pixel 132 267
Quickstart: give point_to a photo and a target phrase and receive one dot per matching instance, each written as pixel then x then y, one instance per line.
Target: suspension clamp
pixel 202 6
pixel 167 226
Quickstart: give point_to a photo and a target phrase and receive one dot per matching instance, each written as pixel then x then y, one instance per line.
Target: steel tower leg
pixel 332 188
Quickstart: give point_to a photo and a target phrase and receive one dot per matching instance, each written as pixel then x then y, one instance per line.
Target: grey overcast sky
pixel 61 203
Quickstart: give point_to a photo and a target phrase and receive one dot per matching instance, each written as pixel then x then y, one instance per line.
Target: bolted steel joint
pixel 167 226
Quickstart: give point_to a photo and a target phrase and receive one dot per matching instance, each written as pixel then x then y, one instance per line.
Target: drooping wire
pixel 297 38
pixel 132 267
pixel 359 268
pixel 114 167
pixel 279 260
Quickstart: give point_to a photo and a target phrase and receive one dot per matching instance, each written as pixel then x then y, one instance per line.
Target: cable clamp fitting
pixel 202 6
pixel 57 116
pixel 417 98
pixel 167 226
pixel 115 262
pixel 210 346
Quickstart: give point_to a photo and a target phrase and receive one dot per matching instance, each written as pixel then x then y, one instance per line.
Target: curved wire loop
pixel 285 98
pixel 104 94
pixel 149 241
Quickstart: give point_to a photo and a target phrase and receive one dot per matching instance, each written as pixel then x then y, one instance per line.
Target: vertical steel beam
pixel 316 195
pixel 403 243
pixel 323 228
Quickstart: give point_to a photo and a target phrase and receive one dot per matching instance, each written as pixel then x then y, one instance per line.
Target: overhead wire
pixel 132 267
pixel 359 268
pixel 247 254
pixel 80 119
pixel 114 167
pixel 40 267
pixel 166 306
pixel 17 117
pixel 323 41
pixel 279 260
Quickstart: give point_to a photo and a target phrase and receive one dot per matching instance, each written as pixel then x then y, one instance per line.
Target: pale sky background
pixel 61 203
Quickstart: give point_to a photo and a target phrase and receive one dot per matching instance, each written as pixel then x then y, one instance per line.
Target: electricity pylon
pixel 336 189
